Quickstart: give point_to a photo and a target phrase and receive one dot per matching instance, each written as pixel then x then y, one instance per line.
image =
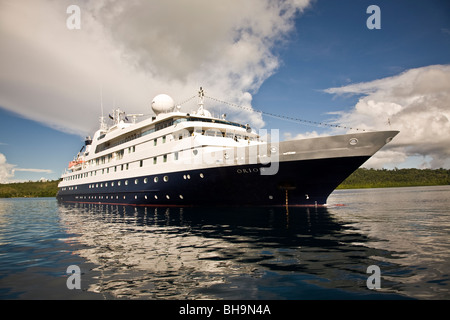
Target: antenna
pixel 101 99
pixel 201 95
pixel 103 125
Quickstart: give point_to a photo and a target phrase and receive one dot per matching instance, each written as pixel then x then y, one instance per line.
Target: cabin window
pixel 213 133
pixel 141 163
pixel 165 158
pixel 154 160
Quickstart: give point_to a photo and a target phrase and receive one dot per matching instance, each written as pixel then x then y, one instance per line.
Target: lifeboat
pixel 75 163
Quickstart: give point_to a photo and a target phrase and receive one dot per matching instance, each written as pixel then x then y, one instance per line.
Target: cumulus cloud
pixel 8 170
pixel 416 102
pixel 133 50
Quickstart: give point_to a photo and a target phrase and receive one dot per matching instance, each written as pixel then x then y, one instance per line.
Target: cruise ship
pixel 195 159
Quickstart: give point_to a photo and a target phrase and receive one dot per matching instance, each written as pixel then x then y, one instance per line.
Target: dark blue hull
pixel 306 182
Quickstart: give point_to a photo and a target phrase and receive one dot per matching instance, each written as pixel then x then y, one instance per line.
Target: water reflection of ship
pixel 192 253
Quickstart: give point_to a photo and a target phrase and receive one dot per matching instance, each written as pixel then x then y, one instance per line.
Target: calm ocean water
pixel 231 253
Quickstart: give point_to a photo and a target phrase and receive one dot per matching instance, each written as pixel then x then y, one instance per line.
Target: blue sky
pixel 321 59
pixel 332 47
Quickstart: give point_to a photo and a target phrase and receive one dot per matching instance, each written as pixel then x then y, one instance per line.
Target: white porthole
pixel 270 197
pixel 202 175
pixel 145 180
pixel 126 182
pixel 353 141
pixel 156 197
pixel 135 197
pixel 155 179
pixel 181 197
pixel 167 196
pixel 166 178
pixel 145 197
pixel 136 181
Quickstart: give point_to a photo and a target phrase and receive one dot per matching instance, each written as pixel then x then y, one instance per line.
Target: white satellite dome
pixel 162 103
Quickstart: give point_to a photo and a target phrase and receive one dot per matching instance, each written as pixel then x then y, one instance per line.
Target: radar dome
pixel 162 103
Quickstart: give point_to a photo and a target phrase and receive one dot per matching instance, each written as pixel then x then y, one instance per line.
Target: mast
pixel 103 125
pixel 201 95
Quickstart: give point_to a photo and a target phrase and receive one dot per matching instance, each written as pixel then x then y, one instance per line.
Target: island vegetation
pixel 383 178
pixel 361 178
pixel 30 189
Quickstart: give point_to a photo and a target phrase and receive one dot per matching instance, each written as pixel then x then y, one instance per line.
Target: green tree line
pixel 383 178
pixel 361 178
pixel 29 189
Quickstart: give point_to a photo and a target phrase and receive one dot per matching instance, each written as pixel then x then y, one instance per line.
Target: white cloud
pixel 134 50
pixel 7 170
pixel 416 102
pixel 32 170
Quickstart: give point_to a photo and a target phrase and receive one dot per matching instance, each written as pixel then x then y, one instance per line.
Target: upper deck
pixel 161 139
